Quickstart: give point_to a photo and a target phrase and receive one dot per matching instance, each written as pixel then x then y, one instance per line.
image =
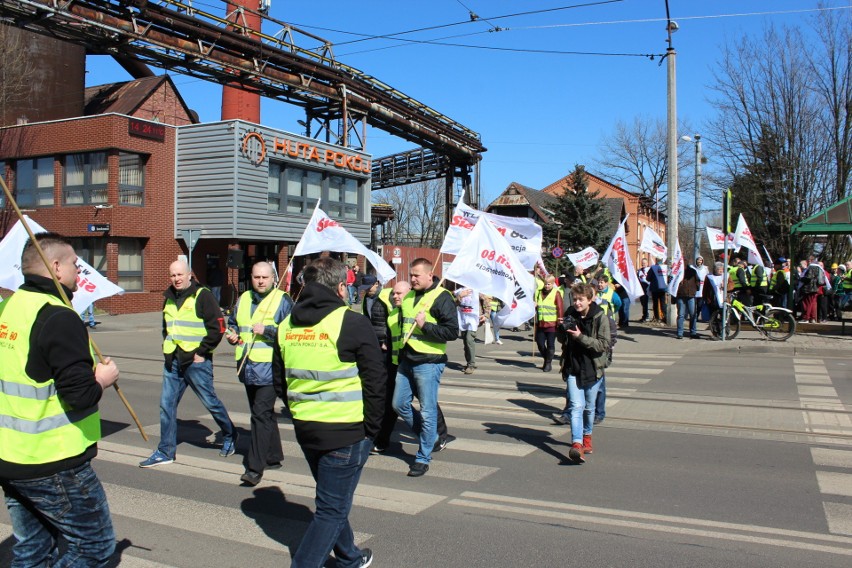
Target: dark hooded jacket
pixel 585 356
pixel 357 343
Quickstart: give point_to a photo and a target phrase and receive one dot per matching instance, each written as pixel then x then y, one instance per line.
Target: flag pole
pixel 65 299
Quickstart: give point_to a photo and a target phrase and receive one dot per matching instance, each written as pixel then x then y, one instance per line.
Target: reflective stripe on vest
pixel 35 426
pixel 418 341
pixel 261 349
pixel 184 328
pixel 546 305
pixel 320 387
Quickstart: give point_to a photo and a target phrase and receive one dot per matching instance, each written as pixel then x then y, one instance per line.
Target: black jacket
pixel 206 308
pixel 59 349
pixel 586 356
pixel 378 314
pixel 446 329
pixel 358 344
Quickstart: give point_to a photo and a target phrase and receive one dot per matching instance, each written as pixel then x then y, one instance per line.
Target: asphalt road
pixel 711 455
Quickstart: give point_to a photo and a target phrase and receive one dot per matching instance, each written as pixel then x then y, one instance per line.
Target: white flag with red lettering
pixel 488 264
pixel 717 239
pixel 324 233
pixel 523 235
pixel 617 259
pixel 91 284
pixel 653 244
pixel 743 237
pixel 584 259
pixel 677 270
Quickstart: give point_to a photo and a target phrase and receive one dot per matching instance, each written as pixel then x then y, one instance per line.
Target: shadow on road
pixel 539 439
pixel 279 519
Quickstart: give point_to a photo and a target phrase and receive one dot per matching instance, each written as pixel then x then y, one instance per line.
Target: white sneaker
pixel 498 342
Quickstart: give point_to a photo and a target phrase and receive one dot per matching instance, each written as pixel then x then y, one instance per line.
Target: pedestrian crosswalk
pixel 824 413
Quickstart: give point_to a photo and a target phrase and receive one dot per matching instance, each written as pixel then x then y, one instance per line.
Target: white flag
pixel 524 235
pixel 743 237
pixel 324 233
pixel 585 258
pixel 717 239
pixel 617 259
pixel 91 284
pixel 653 244
pixel 488 264
pixel 677 270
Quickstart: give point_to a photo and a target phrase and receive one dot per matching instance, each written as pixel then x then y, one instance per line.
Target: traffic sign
pixel 557 252
pixel 397 252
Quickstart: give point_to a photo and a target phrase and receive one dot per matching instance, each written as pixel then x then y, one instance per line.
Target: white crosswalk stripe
pixel 824 413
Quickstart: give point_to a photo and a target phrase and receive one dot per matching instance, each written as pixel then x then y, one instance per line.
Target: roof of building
pixel 516 195
pixel 127 97
pixel 559 185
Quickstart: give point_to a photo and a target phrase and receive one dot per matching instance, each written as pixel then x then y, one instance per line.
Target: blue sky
pixel 538 113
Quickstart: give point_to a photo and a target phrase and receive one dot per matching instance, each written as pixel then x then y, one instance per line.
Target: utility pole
pixel 672 225
pixel 696 234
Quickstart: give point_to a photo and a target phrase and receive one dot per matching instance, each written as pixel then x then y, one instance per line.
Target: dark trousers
pixel 644 301
pixel 660 305
pixel 389 419
pixel 265 446
pixel 469 339
pixel 544 339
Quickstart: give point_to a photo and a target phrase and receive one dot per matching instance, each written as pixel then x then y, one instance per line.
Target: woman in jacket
pixel 584 333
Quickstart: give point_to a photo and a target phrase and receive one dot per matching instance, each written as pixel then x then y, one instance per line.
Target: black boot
pixel 548 359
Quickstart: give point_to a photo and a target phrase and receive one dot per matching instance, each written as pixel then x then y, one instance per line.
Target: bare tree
pixel 15 69
pixel 419 213
pixel 769 134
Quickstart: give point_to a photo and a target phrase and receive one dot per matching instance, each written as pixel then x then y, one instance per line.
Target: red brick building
pixel 107 170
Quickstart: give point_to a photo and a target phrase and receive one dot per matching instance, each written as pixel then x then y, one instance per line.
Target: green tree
pixel 580 218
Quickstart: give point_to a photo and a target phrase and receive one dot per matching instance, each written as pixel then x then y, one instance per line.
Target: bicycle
pixel 776 324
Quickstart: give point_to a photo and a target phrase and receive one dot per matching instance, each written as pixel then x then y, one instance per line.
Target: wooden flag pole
pixel 65 299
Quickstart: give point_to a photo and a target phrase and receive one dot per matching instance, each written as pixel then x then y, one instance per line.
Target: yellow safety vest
pixel 184 328
pixel 396 337
pixel 36 427
pixel 418 341
pixel 606 301
pixel 732 276
pixel 764 282
pixel 383 296
pixel 546 305
pixel 320 387
pixel 261 350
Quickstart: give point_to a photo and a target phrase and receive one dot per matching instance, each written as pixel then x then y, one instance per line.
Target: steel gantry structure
pixel 290 65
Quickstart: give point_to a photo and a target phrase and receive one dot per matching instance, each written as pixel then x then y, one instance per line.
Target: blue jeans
pixel 582 403
pixel 600 399
pixel 90 314
pixel 353 294
pixel 423 379
pixel 336 473
pixel 686 307
pixel 199 377
pixel 494 327
pixel 624 312
pixel 71 503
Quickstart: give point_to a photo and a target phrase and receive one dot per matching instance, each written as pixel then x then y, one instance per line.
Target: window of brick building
pixel 34 182
pixel 131 179
pixel 93 251
pixel 86 178
pixel 130 264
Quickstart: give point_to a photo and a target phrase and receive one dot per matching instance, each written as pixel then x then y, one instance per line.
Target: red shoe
pixel 575 454
pixel 587 444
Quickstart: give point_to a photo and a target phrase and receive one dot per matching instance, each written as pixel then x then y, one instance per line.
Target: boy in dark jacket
pixel 584 332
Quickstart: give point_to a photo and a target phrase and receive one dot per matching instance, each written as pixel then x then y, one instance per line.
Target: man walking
pixel 328 366
pixel 642 274
pixel 49 412
pixel 193 326
pixel 429 314
pixel 252 328
pixel 470 318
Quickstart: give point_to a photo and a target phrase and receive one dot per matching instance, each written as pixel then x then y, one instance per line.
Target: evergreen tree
pixel 580 217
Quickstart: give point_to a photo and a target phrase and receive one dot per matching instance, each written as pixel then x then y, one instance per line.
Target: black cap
pixel 367 282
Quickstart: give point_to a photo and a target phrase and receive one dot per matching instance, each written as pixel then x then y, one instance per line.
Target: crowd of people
pixel 346 375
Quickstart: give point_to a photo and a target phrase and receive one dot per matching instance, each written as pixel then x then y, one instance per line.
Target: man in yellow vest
pixel 429 314
pixel 328 366
pixel 49 393
pixel 193 325
pixel 252 327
